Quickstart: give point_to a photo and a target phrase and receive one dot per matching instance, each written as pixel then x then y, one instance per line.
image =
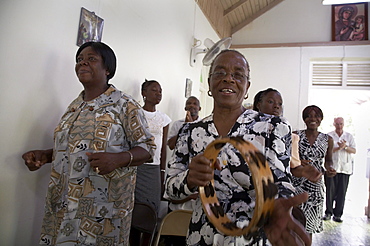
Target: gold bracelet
pixel 131 157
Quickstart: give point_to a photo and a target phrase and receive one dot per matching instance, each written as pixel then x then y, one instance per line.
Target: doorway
pixel 354 107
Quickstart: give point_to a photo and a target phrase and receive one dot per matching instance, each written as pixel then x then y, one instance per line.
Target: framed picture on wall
pixel 349 22
pixel 188 87
pixel 90 27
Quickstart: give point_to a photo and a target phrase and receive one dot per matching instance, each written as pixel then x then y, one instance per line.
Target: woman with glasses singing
pixel 188 169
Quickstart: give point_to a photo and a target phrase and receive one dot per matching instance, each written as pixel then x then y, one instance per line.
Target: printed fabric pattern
pixel 313 208
pixel 82 207
pixel 233 184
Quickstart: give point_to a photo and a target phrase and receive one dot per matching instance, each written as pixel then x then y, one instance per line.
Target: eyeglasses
pixel 238 76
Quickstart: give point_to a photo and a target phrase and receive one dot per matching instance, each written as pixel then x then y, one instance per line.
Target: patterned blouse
pixel 82 207
pixel 313 207
pixel 233 184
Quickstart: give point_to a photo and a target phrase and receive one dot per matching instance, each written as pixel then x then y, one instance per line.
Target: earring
pixel 144 97
pixel 209 93
pixel 246 96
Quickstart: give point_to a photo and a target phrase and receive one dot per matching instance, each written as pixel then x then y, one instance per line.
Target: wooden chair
pixel 175 223
pixel 144 219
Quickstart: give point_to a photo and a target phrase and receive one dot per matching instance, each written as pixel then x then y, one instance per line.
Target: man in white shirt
pixel 192 108
pixel 336 187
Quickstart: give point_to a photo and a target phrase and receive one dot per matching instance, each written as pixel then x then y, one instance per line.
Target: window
pixel 341 73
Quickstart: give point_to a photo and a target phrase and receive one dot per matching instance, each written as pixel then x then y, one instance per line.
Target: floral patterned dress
pixel 233 184
pixel 313 208
pixel 82 207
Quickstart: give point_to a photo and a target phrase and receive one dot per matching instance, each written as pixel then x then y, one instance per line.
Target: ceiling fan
pixel 212 49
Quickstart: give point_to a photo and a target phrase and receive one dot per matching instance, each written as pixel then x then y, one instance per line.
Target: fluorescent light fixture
pixel 330 2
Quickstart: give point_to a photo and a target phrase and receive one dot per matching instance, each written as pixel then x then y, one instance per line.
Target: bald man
pixel 336 187
pixel 192 108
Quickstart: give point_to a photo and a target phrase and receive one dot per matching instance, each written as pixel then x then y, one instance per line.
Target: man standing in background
pixel 336 187
pixel 192 108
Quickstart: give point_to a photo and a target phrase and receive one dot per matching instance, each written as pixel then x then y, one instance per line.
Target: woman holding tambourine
pixel 232 211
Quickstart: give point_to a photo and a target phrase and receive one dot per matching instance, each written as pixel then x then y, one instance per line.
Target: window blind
pixel 358 74
pixel 341 73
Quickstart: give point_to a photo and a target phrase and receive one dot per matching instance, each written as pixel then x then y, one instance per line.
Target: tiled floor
pixel 353 231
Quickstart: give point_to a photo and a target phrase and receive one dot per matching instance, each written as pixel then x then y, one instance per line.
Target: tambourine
pixel 263 182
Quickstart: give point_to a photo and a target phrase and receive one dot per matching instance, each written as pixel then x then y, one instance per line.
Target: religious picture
pixel 90 27
pixel 349 22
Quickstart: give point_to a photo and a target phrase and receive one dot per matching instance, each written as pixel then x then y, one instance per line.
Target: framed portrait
pixel 188 87
pixel 349 22
pixel 90 27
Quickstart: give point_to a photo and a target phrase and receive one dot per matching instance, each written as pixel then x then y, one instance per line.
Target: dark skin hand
pixel 188 117
pixel 308 171
pixel 200 171
pixel 330 171
pixel 35 159
pixel 283 229
pixel 106 162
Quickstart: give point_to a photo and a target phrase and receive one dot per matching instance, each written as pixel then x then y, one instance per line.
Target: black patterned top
pixel 233 184
pixel 313 208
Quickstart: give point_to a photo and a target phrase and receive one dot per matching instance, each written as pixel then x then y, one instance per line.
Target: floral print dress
pixel 313 208
pixel 83 207
pixel 233 184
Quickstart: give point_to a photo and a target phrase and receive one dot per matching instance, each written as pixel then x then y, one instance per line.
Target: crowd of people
pixel 110 152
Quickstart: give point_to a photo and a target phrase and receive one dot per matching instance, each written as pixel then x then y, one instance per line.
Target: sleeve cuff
pixel 186 188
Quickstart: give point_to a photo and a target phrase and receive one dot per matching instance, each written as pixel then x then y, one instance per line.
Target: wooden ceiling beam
pixel 213 11
pixel 233 7
pixel 255 16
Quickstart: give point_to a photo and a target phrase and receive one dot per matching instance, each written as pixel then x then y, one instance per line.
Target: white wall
pixel 287 70
pixel 152 39
pixel 290 21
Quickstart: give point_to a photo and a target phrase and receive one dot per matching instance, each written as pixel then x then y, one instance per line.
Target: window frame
pixel 340 73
